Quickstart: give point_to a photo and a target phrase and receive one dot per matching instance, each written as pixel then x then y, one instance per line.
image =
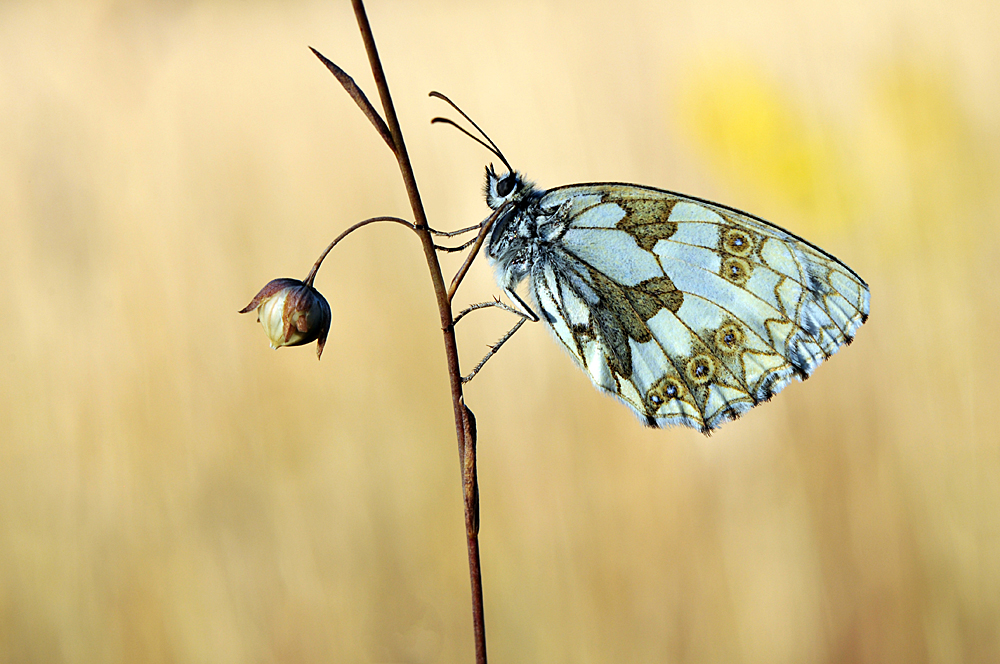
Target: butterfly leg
pixel 525 310
pixel 461 247
pixel 458 232
pixel 495 347
pixel 483 305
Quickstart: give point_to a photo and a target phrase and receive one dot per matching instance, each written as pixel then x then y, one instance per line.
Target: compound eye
pixel 505 186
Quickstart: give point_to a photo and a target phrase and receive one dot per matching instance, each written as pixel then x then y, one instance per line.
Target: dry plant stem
pixel 480 239
pixel 359 97
pixel 464 421
pixel 319 261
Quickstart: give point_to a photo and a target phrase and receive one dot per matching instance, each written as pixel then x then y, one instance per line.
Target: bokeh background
pixel 173 491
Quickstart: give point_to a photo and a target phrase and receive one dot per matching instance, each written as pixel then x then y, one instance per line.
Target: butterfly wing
pixel 688 311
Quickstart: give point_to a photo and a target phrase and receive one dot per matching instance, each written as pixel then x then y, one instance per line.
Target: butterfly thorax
pixel 524 232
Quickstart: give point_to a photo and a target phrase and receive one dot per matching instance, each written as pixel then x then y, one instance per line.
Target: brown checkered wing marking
pixel 688 311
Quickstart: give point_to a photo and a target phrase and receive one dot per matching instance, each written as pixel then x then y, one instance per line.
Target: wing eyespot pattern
pixel 796 304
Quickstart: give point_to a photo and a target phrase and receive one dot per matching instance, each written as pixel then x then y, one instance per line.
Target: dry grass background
pixel 173 491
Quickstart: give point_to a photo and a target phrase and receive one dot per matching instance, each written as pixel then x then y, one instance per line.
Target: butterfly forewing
pixel 688 311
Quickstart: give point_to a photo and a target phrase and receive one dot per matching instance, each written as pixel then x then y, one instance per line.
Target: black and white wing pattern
pixel 688 311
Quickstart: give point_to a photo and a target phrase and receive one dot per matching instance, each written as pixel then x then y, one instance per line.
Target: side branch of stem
pixel 476 246
pixel 319 261
pixel 359 97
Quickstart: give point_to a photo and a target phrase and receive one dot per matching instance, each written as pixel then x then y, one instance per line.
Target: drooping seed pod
pixel 292 313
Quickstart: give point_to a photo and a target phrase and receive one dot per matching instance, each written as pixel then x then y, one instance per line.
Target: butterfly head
pixel 504 188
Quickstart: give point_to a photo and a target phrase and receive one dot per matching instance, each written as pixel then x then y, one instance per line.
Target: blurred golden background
pixel 173 491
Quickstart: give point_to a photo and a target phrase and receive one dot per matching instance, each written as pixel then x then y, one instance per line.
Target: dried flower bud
pixel 292 313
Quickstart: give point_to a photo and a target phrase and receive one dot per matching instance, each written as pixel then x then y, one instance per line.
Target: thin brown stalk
pixel 467 263
pixel 319 261
pixel 465 427
pixel 359 97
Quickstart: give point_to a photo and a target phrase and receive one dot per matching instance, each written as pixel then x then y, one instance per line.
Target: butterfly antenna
pixel 488 144
pixel 465 131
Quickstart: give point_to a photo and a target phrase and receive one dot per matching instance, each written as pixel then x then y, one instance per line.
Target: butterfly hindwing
pixel 688 311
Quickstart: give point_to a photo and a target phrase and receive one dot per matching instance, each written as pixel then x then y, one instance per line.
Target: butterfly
pixel 689 312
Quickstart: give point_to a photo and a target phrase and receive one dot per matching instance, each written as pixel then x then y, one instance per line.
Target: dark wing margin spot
pixel 798 363
pixel 766 391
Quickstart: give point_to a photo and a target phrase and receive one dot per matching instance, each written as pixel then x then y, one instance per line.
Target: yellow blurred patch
pixel 940 150
pixel 747 126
